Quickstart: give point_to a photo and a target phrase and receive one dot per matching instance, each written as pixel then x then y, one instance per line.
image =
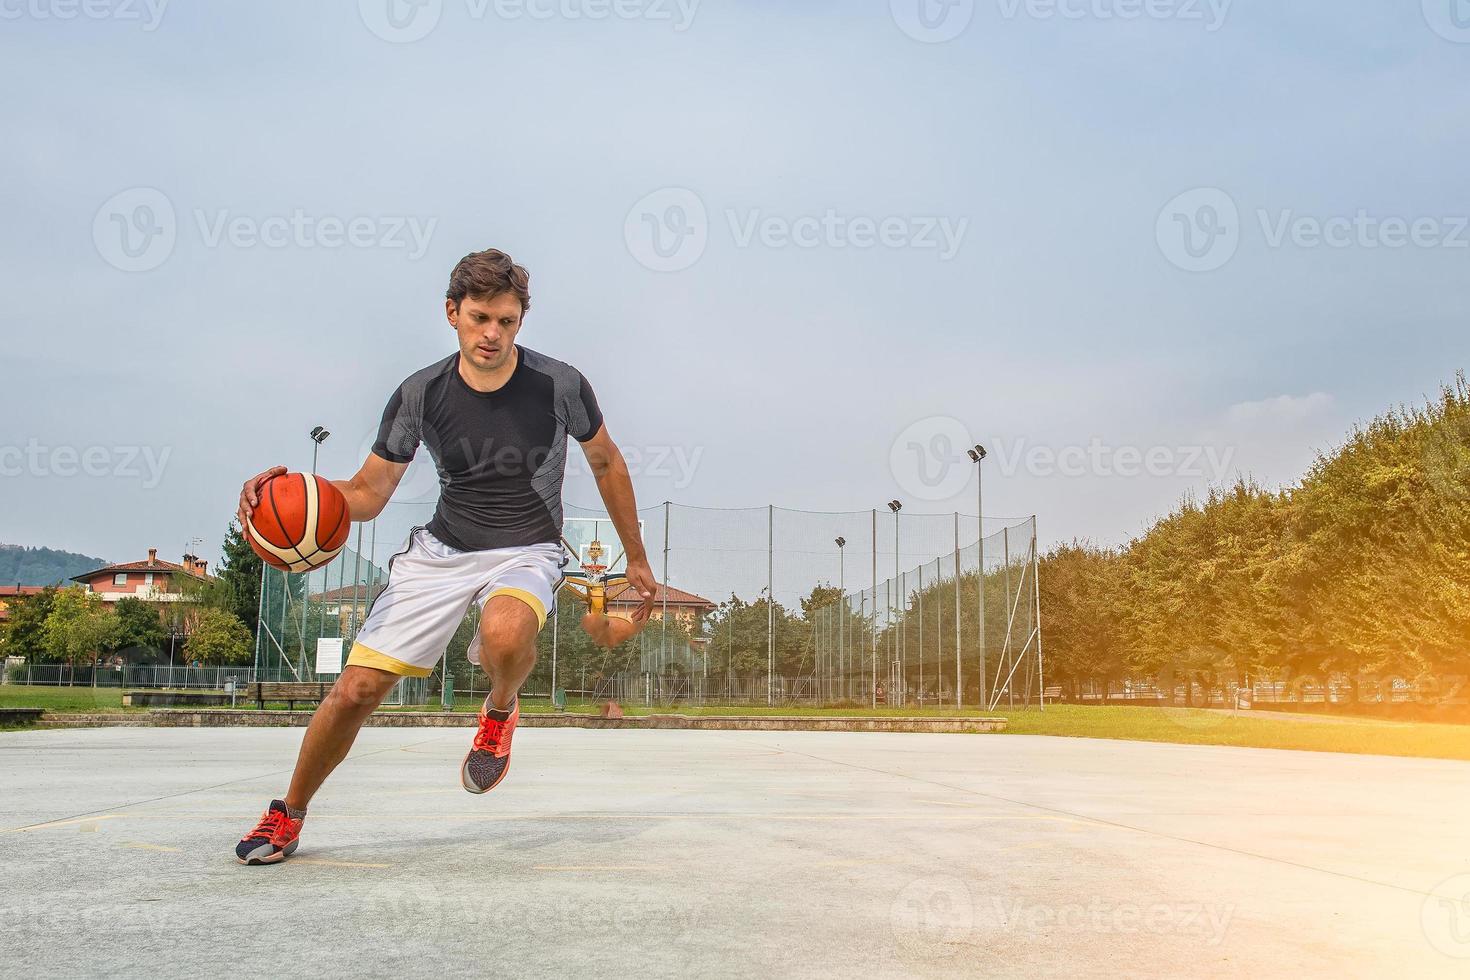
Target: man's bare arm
pixel 367 493
pixel 616 486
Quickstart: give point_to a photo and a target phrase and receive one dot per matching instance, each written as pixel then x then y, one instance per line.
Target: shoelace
pixel 273 823
pixel 487 739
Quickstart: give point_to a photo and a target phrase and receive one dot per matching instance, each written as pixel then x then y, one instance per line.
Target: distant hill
pixel 42 566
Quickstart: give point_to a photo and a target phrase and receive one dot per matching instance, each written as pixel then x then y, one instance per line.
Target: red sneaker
pixel 489 757
pixel 273 839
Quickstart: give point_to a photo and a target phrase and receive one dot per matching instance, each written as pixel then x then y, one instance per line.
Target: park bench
pixel 288 691
pixel 173 699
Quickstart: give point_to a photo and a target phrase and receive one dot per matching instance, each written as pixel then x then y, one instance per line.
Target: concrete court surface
pixel 668 853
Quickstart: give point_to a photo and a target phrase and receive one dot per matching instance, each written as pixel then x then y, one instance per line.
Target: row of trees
pixel 1361 570
pixel 212 623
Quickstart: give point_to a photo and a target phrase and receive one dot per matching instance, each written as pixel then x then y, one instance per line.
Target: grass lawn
pixel 1192 726
pixel 1196 726
pixel 61 699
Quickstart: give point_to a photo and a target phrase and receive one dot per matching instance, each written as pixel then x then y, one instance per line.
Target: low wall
pixel 185 718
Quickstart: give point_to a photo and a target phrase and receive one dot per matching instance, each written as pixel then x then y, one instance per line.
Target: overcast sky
pixel 805 252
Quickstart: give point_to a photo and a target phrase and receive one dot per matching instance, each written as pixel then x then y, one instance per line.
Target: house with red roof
pixel 681 605
pixel 152 580
pixel 10 593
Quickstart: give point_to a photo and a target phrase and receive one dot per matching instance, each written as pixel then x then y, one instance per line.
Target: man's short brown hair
pixel 486 274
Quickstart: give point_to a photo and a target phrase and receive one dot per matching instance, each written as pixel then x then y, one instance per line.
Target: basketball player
pixel 495 416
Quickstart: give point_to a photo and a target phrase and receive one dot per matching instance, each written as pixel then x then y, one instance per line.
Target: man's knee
pixel 362 687
pixel 508 627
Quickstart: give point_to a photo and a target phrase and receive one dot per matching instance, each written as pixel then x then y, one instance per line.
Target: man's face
pixel 487 328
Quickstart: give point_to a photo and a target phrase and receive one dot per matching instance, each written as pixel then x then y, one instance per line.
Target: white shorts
pixel 430 589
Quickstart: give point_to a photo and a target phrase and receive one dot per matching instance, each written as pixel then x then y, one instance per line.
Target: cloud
pixel 1282 408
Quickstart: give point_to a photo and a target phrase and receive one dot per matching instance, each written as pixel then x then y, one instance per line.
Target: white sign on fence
pixel 329 655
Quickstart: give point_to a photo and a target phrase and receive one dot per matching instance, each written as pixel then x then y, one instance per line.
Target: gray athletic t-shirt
pixel 501 454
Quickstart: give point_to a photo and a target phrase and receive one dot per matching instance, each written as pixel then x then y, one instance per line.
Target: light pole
pixel 842 602
pixel 977 455
pixel 894 671
pixel 318 436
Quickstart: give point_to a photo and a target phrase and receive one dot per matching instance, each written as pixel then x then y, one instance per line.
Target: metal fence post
pixel 959 687
pixel 664 640
pixel 1036 584
pixel 874 660
pixel 770 603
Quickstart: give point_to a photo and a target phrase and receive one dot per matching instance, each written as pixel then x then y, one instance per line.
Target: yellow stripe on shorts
pixel 529 598
pixel 362 656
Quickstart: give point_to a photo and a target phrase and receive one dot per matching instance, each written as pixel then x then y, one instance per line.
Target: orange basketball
pixel 300 524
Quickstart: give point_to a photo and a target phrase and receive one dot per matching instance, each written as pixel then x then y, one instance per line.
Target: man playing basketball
pixel 495 417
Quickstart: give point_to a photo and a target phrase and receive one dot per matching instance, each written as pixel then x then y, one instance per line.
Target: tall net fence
pixel 757 605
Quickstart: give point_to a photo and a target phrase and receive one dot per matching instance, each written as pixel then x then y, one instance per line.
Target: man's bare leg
pixel 334 728
pixel 508 631
pixel 507 653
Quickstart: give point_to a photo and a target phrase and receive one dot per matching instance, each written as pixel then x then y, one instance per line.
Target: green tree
pixel 139 625
pixel 25 630
pixel 79 628
pixel 1081 593
pixel 218 637
pixel 239 578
